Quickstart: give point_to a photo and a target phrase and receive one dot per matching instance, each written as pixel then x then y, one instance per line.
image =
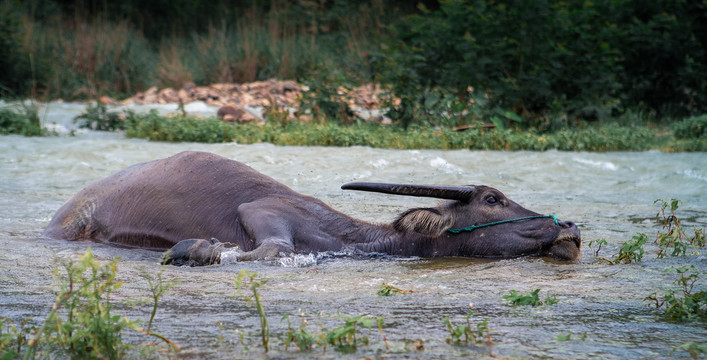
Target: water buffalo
pixel 178 202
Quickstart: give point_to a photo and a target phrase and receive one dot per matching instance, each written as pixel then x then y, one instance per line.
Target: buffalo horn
pixel 462 193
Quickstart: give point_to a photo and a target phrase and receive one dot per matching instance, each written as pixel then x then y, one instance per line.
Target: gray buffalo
pixel 180 202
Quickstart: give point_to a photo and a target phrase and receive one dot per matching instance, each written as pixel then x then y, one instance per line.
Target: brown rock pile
pixel 232 98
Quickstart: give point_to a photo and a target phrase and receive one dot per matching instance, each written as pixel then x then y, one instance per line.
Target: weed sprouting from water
pixel 90 330
pixel 675 237
pixel 686 302
pixel 530 298
pixel 631 251
pixel 158 287
pixel 468 334
pixel 694 349
pixel 673 242
pixel 388 290
pixel 304 339
pixel 13 338
pixel 346 338
pixel 245 279
pixel 97 117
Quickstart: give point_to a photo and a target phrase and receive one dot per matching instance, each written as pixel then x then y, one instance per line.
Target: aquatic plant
pixel 90 330
pixel 245 279
pixel 474 335
pixel 97 117
pixel 158 287
pixel 601 242
pixel 211 130
pixel 568 337
pixel 631 251
pixel 388 290
pixel 686 302
pixel 694 349
pixel 346 338
pixel 530 298
pixel 675 241
pixel 13 338
pixel 25 122
pixel 304 339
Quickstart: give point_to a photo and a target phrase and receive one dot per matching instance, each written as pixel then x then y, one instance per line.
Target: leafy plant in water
pixel 632 251
pixel 675 241
pixel 158 287
pixel 13 338
pixel 97 117
pixel 90 330
pixel 247 279
pixel 685 303
pixel 530 298
pixel 694 349
pixel 304 339
pixel 388 290
pixel 468 334
pixel 600 242
pixel 346 338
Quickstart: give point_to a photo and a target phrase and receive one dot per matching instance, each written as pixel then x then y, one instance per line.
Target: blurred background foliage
pixel 545 65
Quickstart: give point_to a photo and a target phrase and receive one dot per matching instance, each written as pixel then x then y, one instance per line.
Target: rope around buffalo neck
pixel 474 227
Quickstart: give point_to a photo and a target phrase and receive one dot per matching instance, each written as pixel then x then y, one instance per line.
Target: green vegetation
pixel 543 67
pixel 388 290
pixel 179 128
pixel 694 349
pixel 81 323
pixel 687 302
pixel 245 279
pixel 346 338
pixel 675 241
pixel 24 122
pixel 474 335
pixel 530 298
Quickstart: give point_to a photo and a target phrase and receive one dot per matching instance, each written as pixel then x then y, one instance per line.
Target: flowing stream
pixel 609 195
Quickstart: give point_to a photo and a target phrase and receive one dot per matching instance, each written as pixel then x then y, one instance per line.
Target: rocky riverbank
pixel 247 102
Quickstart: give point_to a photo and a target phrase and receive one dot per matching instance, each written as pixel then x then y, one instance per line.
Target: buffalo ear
pixel 426 221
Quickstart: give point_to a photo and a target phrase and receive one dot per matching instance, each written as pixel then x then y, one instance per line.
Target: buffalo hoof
pixel 194 252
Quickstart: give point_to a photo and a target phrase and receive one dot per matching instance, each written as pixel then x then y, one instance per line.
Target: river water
pixel 609 195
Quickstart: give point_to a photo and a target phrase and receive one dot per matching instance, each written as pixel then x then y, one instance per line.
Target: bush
pixel 23 124
pixel 586 59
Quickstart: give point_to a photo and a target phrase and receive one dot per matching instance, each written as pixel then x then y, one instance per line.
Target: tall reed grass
pixel 79 58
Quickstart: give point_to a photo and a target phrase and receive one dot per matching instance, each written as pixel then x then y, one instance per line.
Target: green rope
pixel 474 227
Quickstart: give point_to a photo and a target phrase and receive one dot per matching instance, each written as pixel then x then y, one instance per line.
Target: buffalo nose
pixel 567 224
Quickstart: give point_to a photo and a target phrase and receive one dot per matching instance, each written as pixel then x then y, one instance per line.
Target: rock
pixel 107 100
pixel 189 86
pixel 229 109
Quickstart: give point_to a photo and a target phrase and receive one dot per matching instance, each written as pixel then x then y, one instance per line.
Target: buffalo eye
pixel 490 199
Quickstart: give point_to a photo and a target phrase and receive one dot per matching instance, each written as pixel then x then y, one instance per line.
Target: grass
pixel 247 279
pixel 179 128
pixel 531 298
pixel 672 240
pixel 81 324
pixel 686 302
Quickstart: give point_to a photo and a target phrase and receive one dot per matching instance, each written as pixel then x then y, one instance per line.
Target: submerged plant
pixel 469 334
pixel 694 349
pixel 686 302
pixel 631 251
pixel 248 279
pixel 346 338
pixel 388 290
pixel 675 241
pixel 530 298
pixel 304 339
pixel 97 117
pixel 89 329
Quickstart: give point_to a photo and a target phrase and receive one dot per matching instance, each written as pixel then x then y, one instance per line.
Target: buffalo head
pixel 480 221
